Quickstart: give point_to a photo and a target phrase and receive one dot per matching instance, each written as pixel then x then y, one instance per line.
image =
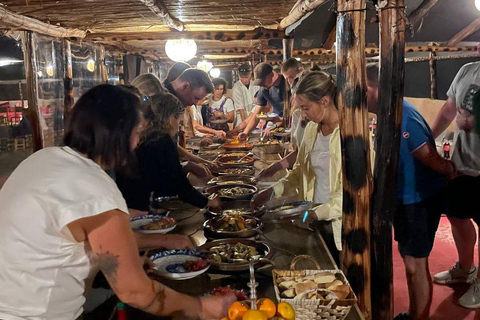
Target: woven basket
pixel 270 148
pixel 317 309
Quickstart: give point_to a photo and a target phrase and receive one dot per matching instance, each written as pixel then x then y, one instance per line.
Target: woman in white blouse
pixel 63 218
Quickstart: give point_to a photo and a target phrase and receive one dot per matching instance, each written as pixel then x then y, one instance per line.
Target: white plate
pixel 166 258
pixel 138 222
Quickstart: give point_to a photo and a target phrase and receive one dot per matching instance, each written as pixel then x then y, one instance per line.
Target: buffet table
pixel 286 239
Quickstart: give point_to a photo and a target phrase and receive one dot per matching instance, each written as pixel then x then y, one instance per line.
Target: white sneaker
pixel 471 298
pixel 455 275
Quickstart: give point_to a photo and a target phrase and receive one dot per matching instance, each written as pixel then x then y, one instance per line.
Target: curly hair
pixel 163 106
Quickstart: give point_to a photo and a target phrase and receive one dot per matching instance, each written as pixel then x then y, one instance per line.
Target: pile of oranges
pixel 266 309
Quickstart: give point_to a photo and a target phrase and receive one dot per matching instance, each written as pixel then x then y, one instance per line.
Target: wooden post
pixel 433 75
pixel 391 82
pixel 68 98
pixel 287 48
pixel 30 63
pixel 100 62
pixel 357 176
pixel 121 70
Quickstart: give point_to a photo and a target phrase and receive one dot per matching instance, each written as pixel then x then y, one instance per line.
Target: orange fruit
pixel 285 310
pixel 268 306
pixel 255 315
pixel 224 319
pixel 237 310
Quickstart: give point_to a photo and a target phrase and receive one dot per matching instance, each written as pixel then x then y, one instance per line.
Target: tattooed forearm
pixel 108 263
pixel 159 298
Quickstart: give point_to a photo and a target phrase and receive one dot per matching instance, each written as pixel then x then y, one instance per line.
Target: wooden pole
pixel 30 64
pixel 391 82
pixel 287 48
pixel 101 64
pixel 68 99
pixel 357 177
pixel 433 75
pixel 299 10
pixel 465 33
pixel 421 11
pixel 159 9
pixel 121 70
pixel 19 22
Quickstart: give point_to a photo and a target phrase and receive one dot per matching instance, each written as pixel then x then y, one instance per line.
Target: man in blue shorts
pixel 418 199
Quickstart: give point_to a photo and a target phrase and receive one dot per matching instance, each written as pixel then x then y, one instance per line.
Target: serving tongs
pixel 253 285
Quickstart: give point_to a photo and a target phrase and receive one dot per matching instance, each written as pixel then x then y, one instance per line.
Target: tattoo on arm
pixel 159 297
pixel 108 263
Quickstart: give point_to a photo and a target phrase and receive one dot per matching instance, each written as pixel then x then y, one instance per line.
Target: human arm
pixel 207 130
pixel 241 111
pixel 428 155
pixel 114 248
pixel 445 116
pixel 252 123
pixel 167 241
pixel 285 163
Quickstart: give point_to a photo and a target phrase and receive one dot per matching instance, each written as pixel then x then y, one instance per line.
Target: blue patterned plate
pixel 169 264
pixel 138 222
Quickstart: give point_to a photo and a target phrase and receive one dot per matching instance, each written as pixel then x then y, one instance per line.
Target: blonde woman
pixel 317 172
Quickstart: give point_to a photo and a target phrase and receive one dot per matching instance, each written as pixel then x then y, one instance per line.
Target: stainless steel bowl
pixel 209 228
pixel 247 171
pixel 290 210
pixel 226 178
pixel 244 205
pixel 262 248
pixel 217 189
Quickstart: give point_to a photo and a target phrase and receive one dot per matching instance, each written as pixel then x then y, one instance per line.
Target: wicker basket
pixel 269 148
pixel 317 309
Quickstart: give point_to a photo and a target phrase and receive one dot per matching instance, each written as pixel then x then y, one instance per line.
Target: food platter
pixel 241 146
pixel 290 210
pixel 280 133
pixel 263 251
pixel 153 224
pixel 179 264
pixel 229 179
pixel 212 146
pixel 235 161
pixel 240 207
pixel 230 226
pixel 246 171
pixel 233 191
pixel 209 155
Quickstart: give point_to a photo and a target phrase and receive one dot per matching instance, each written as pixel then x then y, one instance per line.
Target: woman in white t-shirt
pixel 221 107
pixel 63 218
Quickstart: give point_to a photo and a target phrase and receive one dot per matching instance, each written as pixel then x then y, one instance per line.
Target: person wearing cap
pixel 272 92
pixel 244 90
pixel 462 206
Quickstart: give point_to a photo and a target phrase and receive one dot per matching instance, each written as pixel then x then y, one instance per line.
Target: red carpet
pixel 443 256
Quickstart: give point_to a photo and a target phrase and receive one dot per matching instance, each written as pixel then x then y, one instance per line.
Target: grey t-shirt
pixel 467 145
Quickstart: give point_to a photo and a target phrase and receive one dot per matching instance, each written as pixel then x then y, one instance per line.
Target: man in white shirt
pixel 244 90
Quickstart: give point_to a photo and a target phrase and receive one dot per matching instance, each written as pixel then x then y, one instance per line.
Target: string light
pixel 215 72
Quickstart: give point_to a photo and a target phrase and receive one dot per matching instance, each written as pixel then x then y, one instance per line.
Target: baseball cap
pixel 244 70
pixel 262 70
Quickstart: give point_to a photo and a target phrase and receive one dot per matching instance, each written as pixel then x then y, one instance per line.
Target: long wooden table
pixel 287 239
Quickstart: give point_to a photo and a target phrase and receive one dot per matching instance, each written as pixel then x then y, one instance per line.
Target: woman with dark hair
pixel 159 168
pixel 221 107
pixel 63 218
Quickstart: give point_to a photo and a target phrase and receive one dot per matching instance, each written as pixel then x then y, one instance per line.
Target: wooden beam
pixel 159 9
pixel 421 11
pixel 225 36
pixel 357 176
pixel 18 22
pixel 465 33
pixel 299 10
pixel 68 98
pixel 437 58
pixel 30 64
pixel 328 44
pixel 376 51
pixel 391 83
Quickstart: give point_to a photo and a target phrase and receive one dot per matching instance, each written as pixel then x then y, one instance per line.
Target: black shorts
pixel 462 198
pixel 415 226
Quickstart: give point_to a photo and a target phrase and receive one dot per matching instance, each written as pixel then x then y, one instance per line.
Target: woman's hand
pixel 242 136
pixel 212 166
pixel 262 197
pixel 216 307
pixel 205 142
pixel 218 114
pixel 214 202
pixel 220 134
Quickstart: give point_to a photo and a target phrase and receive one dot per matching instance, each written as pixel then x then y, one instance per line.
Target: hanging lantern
pixel 215 72
pixel 204 65
pixel 180 49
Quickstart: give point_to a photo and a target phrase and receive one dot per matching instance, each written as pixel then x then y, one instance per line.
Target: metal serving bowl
pixel 209 228
pixel 262 248
pixel 244 171
pixel 244 205
pixel 217 189
pixel 235 161
pixel 243 146
pixel 229 179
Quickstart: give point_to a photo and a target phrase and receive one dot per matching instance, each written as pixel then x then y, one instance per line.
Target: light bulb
pixel 477 4
pixel 180 49
pixel 49 70
pixel 91 65
pixel 215 72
